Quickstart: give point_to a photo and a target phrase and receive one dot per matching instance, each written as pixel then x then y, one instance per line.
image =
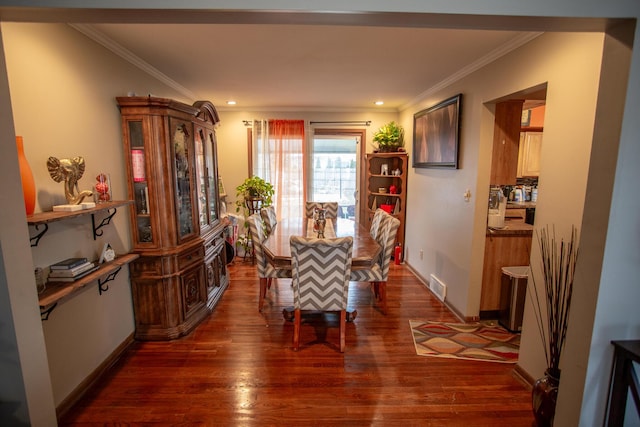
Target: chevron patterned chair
pixel 330 207
pixel 268 215
pixel 266 271
pixel 320 270
pixel 385 235
pixel 378 216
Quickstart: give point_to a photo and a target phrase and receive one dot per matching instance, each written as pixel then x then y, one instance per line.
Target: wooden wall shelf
pixel 44 218
pixel 55 291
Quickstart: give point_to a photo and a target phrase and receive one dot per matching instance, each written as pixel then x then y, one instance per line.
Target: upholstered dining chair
pixel 378 216
pixel 320 272
pixel 377 275
pixel 266 271
pixel 268 215
pixel 330 207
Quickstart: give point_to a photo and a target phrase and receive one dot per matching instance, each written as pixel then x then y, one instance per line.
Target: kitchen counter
pixel 512 228
pixel 521 205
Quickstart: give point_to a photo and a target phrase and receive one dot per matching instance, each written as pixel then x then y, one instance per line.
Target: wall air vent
pixel 437 287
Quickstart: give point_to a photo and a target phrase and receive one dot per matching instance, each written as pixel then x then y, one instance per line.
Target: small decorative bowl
pixel 382 190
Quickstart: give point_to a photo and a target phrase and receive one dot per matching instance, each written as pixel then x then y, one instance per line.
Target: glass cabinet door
pixel 201 178
pixel 206 177
pixel 212 173
pixel 143 230
pixel 181 144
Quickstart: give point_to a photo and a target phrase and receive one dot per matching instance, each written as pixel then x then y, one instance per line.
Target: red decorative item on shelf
pixel 137 165
pixel 28 184
pixel 387 208
pixel 103 188
pixel 393 189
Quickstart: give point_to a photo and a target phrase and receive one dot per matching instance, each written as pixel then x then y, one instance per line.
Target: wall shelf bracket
pixel 111 276
pixel 46 311
pixel 36 239
pixel 105 221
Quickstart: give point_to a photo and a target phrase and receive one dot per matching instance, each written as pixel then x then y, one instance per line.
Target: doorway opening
pixel 333 168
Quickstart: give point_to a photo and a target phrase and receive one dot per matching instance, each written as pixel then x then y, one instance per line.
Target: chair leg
pixel 383 296
pixel 296 329
pixel 376 290
pixel 343 329
pixel 263 292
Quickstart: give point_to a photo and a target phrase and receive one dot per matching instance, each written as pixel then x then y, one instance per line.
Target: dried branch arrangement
pixel 558 261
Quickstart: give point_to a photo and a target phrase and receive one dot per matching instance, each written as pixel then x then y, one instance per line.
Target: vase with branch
pixel 551 301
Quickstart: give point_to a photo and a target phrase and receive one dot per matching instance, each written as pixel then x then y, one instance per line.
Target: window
pixel 333 171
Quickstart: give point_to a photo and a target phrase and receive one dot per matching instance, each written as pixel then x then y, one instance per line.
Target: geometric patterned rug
pixel 466 341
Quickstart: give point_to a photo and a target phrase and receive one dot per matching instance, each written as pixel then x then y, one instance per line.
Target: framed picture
pixel 436 135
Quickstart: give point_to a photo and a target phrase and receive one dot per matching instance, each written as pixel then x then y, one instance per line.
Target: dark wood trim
pixel 94 378
pixel 250 151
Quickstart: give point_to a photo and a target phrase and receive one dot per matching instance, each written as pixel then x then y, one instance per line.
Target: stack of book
pixel 71 269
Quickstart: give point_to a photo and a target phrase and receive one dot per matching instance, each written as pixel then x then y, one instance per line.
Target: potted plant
pixel 552 315
pixel 253 194
pixel 389 137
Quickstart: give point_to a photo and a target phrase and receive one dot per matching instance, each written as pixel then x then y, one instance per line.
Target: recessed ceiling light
pixel 231 102
pixel 379 102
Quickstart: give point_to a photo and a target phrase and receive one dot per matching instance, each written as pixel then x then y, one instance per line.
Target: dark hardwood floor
pixel 238 369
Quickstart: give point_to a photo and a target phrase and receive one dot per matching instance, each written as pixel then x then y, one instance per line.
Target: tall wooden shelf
pixel 172 163
pixel 375 179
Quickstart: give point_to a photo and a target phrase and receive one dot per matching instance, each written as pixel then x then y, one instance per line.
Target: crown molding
pixel 492 56
pixel 127 55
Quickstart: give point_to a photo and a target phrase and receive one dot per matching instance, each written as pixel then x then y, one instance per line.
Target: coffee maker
pixel 497 208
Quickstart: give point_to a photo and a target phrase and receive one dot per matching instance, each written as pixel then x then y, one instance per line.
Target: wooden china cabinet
pixel 171 159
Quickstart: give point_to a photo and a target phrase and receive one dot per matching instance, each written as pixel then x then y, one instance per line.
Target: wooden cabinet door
pixel 501 251
pixel 531 154
pixel 506 140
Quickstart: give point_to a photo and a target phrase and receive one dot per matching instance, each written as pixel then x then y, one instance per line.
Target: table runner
pixel 329 229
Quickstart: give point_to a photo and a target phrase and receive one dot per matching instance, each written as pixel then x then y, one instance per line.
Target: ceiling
pixel 304 67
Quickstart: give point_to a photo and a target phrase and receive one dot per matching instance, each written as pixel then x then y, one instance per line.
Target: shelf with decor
pixel 42 219
pixel 55 291
pixel 386 186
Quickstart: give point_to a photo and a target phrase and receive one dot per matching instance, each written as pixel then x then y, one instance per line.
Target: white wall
pixel 63 97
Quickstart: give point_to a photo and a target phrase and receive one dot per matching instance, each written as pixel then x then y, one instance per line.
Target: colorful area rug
pixel 465 341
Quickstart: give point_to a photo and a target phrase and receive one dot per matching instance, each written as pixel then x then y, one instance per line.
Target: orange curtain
pixel 286 166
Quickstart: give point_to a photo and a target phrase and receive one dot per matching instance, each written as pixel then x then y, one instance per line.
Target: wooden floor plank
pixel 238 369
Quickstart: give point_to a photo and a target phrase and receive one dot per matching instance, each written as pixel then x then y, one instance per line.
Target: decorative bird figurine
pixel 70 171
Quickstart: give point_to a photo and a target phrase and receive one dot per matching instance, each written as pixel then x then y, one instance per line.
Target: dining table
pixel 277 249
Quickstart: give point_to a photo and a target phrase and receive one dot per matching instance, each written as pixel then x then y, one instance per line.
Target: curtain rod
pixel 345 122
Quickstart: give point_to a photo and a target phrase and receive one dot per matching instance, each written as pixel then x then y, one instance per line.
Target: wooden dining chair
pixel 377 275
pixel 268 215
pixel 331 209
pixel 320 270
pixel 266 271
